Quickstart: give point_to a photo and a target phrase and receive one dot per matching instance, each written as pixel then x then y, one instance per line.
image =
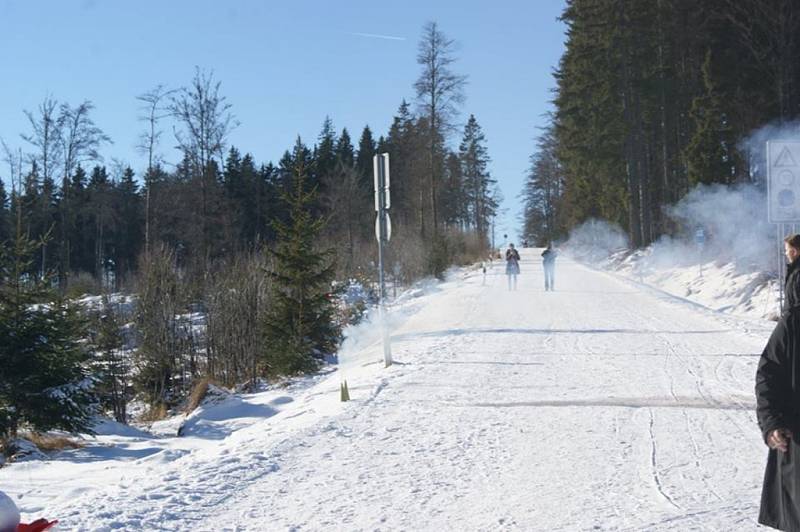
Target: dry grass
pixel 49 442
pixel 157 412
pixel 198 394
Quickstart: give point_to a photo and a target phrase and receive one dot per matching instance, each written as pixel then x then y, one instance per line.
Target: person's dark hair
pixel 794 241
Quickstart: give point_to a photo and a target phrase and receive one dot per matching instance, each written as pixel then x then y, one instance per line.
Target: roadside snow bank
pixel 710 264
pixel 721 286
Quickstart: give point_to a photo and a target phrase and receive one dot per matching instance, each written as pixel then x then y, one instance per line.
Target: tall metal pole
pixel 380 166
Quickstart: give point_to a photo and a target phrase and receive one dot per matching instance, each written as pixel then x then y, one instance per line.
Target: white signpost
pixel 783 191
pixel 783 184
pixel 383 232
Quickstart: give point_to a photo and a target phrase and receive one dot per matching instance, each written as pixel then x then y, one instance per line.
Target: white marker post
pixel 383 232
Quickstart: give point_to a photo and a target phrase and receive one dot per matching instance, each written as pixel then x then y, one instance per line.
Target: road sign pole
pixel 382 199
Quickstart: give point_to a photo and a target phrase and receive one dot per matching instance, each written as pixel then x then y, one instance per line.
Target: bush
pixel 80 284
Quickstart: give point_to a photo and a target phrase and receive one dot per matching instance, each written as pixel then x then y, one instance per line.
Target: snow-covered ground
pixel 725 286
pixel 605 405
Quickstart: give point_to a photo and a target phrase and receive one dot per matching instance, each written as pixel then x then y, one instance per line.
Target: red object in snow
pixel 36 526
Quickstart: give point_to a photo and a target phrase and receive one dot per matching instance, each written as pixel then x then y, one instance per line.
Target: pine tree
pixel 478 183
pixel 248 201
pixel 80 233
pixel 5 215
pixel 366 151
pixel 268 206
pixel 439 91
pixel 129 221
pixel 300 327
pixel 44 380
pixel 455 196
pixel 325 153
pixel 404 154
pixel 102 218
pixel 709 151
pixel 364 182
pixel 323 174
pixel 542 193
pixel 344 149
pixel 110 363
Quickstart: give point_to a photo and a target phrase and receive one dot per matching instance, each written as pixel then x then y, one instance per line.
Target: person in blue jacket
pixel 549 261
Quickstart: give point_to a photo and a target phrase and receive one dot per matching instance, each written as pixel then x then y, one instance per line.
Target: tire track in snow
pixel 654 463
pixel 707 396
pixel 697 459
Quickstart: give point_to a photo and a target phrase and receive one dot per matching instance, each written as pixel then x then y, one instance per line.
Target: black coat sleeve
pixel 774 382
pixel 792 290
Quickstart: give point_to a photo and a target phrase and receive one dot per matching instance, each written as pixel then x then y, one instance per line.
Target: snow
pixel 606 404
pixel 726 287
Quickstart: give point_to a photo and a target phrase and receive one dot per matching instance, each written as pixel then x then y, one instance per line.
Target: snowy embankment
pixel 723 286
pixel 603 405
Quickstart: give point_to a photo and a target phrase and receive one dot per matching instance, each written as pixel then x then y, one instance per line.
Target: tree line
pixel 233 266
pixel 653 98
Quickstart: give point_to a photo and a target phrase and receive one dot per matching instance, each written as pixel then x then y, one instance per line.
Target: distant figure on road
pixel 777 397
pixel 549 260
pixel 512 266
pixel 791 248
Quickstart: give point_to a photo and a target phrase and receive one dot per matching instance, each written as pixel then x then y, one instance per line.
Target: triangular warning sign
pixel 784 159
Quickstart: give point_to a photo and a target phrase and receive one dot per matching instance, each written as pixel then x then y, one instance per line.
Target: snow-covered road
pixel 601 406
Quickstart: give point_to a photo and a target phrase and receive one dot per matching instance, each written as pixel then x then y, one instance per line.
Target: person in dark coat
pixel 549 262
pixel 791 247
pixel 778 407
pixel 512 266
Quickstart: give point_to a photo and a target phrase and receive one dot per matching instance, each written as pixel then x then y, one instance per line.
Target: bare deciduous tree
pixel 236 303
pixel 205 118
pixel 206 122
pixel 45 136
pixel 81 138
pixel 153 110
pixel 440 92
pixel 80 141
pixel 156 358
pixel 14 159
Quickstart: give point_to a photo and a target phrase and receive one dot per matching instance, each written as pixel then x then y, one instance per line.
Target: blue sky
pixel 284 66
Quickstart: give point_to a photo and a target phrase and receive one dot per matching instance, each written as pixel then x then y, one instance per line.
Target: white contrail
pixel 375 36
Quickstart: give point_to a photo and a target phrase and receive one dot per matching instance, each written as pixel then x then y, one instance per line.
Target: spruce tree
pixel 5 215
pixel 474 158
pixel 345 154
pixel 325 152
pixel 709 151
pixel 300 327
pixel 111 366
pixel 44 380
pixel 129 220
pixel 366 151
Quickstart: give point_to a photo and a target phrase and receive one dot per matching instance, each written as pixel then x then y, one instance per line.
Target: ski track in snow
pixel 601 406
